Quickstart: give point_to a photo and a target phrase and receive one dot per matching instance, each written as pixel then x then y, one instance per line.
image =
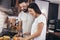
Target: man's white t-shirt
pixel 30 21
pixel 38 20
pixel 27 20
pixel 23 17
pixel 3 17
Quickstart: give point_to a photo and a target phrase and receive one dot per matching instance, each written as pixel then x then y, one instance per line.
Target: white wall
pixel 54 1
pixel 43 6
pixel 59 12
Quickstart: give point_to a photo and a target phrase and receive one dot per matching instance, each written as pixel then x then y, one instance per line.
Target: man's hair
pixel 21 1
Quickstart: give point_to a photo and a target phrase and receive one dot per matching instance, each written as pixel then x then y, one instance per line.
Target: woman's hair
pixel 35 7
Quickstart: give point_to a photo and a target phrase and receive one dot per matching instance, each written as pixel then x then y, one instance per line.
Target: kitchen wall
pixel 43 5
pixel 53 1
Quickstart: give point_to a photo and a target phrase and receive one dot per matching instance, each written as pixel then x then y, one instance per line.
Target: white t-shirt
pixel 27 20
pixel 23 17
pixel 3 17
pixel 30 21
pixel 39 19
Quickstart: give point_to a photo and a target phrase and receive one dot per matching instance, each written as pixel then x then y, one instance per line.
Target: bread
pixel 14 38
pixel 1 38
pixel 6 38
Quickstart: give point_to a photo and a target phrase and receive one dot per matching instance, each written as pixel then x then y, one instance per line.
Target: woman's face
pixel 32 12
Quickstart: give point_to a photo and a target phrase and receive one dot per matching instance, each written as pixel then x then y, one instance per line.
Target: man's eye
pixel 24 6
pixel 30 11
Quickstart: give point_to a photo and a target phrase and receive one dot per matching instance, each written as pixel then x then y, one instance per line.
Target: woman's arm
pixel 37 33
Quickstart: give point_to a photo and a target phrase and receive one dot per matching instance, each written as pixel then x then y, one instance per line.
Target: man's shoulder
pixel 22 13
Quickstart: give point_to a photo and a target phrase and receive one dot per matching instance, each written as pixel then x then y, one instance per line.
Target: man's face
pixel 23 6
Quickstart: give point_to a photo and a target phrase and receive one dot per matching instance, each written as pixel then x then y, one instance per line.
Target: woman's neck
pixel 37 15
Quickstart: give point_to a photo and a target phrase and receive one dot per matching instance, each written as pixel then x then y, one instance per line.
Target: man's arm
pixel 19 28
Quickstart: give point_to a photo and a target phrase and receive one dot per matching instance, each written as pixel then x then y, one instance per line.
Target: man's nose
pixel 21 8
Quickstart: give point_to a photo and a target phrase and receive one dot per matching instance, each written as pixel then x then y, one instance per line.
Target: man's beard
pixel 25 10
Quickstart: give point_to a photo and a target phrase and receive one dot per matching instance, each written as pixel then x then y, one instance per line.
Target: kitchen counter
pixel 53 36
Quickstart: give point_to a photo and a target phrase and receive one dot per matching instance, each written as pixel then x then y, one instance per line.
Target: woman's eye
pixel 20 7
pixel 30 11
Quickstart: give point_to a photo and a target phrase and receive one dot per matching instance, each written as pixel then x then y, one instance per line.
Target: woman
pixel 38 31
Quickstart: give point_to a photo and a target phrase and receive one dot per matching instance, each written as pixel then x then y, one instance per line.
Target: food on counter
pixel 15 38
pixel 1 38
pixel 6 38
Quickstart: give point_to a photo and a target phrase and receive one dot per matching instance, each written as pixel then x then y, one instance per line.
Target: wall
pixel 59 12
pixel 43 6
pixel 58 2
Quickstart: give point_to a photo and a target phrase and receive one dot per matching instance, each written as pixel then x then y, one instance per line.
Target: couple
pixel 38 30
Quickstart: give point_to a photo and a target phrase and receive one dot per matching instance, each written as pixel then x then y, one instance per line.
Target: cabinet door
pixel 6 3
pixel 53 11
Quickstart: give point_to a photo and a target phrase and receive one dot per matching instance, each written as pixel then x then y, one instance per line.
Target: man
pixel 26 18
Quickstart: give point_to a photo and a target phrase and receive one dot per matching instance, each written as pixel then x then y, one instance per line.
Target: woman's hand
pixel 25 39
pixel 27 33
pixel 21 38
